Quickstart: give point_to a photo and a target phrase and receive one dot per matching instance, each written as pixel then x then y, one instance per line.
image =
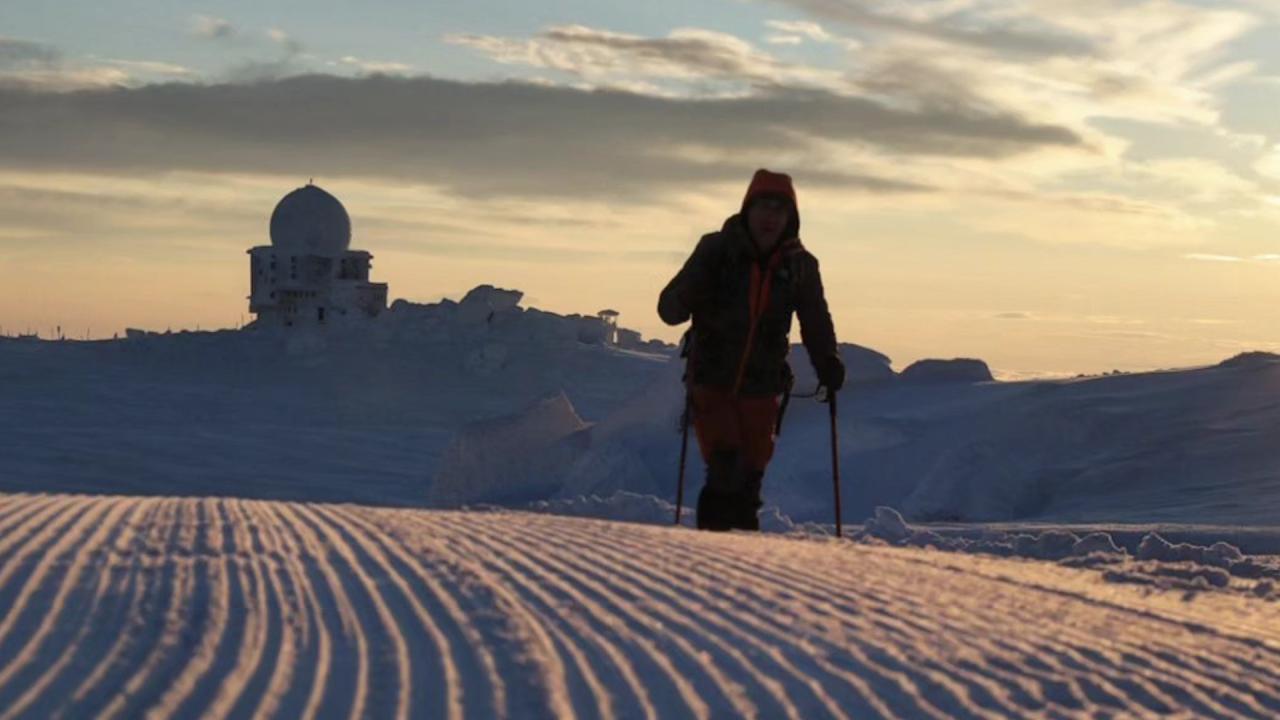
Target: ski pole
pixel 835 458
pixel 684 451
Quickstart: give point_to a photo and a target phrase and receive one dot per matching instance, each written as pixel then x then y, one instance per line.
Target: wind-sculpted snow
pixel 158 607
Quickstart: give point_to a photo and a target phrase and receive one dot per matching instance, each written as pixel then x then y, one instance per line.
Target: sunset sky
pixel 1055 186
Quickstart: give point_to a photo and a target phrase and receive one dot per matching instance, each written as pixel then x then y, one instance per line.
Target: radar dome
pixel 311 221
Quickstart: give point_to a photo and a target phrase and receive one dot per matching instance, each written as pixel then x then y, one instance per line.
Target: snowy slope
pixel 447 404
pixel 342 416
pixel 124 607
pixel 1193 446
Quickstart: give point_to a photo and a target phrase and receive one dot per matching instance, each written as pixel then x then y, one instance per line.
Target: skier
pixel 740 286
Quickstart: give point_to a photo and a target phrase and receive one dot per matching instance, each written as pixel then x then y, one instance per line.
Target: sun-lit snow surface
pixel 121 606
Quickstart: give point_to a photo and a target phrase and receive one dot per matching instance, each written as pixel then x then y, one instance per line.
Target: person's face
pixel 767 218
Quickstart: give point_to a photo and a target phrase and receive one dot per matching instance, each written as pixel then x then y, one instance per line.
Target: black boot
pixel 717 501
pixel 747 502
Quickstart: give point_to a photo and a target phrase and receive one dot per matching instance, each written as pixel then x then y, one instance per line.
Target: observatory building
pixel 309 274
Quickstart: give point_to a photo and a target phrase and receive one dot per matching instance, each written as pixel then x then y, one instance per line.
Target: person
pixel 740 287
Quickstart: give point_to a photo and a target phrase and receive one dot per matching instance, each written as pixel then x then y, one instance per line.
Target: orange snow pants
pixel 742 424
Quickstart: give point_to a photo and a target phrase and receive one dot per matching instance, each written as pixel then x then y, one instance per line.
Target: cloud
pixel 150 67
pixel 802 29
pixel 15 53
pixel 1264 258
pixel 485 139
pixel 290 45
pixel 292 60
pixel 375 66
pixel 1155 61
pixel 973 24
pixel 1269 165
pixel 213 28
pixel 685 55
pixel 38 66
pixel 1013 316
pixel 1209 257
pixel 25 64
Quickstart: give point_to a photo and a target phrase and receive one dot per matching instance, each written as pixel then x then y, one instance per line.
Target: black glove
pixel 831 373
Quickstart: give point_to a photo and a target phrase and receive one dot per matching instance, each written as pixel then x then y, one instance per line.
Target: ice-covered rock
pixel 482 303
pixel 959 370
pixel 1098 542
pixel 1220 554
pixel 624 506
pixel 497 299
pixel 887 525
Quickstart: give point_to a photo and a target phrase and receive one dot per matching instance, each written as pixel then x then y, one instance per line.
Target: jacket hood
pixel 768 183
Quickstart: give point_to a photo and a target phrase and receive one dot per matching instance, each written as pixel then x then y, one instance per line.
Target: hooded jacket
pixel 727 287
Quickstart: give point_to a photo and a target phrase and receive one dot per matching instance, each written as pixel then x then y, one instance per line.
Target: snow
pixel 127 607
pixel 1155 562
pixel 382 415
pixel 264 515
pixel 512 457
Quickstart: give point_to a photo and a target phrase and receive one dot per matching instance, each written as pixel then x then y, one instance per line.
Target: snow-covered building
pixel 309 274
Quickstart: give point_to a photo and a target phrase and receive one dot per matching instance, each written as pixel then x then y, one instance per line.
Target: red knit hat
pixel 764 183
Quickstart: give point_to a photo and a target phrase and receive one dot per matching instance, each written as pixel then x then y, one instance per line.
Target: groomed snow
pixel 132 607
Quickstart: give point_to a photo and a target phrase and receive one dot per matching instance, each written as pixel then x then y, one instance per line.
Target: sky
pixel 1054 186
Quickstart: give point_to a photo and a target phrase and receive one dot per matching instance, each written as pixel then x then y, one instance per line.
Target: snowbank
pixel 516 457
pixel 1157 563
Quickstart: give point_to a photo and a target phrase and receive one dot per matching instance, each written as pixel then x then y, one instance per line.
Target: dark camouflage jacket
pixel 715 288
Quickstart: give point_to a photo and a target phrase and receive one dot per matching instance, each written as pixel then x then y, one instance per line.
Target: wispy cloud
pixel 983 25
pixel 1152 61
pixel 1210 257
pixel 213 28
pixel 1269 165
pixel 685 56
pixel 375 66
pixel 36 65
pixel 290 58
pixel 287 42
pixel 149 68
pixel 16 53
pixel 805 30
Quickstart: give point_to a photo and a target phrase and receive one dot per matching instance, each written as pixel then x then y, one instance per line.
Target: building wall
pixel 289 289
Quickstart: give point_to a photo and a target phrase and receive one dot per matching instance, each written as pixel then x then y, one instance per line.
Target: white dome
pixel 311 221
